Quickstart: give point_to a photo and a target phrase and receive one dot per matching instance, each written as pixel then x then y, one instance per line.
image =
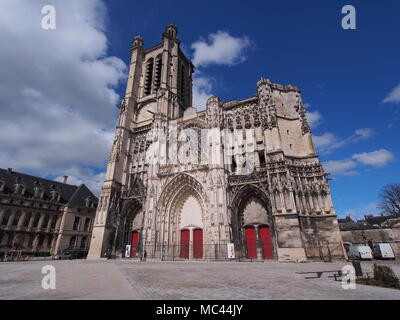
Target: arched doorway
pixel 183 203
pixel 130 225
pixel 252 224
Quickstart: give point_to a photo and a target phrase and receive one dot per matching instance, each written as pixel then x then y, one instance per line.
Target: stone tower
pixel 159 87
pixel 182 183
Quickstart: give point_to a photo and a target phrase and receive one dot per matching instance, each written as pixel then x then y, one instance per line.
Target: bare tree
pixel 390 200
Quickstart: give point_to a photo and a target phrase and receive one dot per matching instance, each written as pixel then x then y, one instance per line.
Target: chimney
pixel 65 179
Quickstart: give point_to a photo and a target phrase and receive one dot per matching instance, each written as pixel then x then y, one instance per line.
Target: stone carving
pixel 116 147
pixel 267 105
pixel 305 126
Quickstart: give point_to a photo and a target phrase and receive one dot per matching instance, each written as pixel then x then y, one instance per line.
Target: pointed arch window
pixel 149 77
pixel 157 72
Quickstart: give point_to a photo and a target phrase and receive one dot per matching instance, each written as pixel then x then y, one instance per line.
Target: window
pixel 53 223
pixel 49 240
pixel 36 221
pixel 16 218
pixel 157 73
pixel 149 77
pixel 261 156
pixel 182 83
pixel 83 242
pixel 27 219
pixel 10 239
pixel 31 238
pixel 45 221
pixel 87 224
pixel 233 165
pixel 72 242
pixel 6 217
pixel 76 223
pixel 40 242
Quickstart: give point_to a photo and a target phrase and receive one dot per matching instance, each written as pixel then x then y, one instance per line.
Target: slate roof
pixel 69 194
pixel 377 220
pixel 369 222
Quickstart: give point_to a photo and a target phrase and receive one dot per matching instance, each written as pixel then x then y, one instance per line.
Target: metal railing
pixel 315 251
pixel 211 251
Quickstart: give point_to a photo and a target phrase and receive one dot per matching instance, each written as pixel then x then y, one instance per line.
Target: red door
pixel 135 239
pixel 266 244
pixel 198 243
pixel 251 242
pixel 185 237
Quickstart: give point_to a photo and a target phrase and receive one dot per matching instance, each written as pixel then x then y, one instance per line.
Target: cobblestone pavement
pixel 127 279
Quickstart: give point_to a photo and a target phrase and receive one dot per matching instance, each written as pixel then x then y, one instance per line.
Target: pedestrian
pixel 145 255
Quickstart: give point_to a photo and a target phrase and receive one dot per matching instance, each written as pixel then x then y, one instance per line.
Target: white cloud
pixel 58 100
pixel 328 142
pixel 77 176
pixel 343 167
pixel 314 118
pixel 364 133
pixel 202 90
pixel 221 48
pixel 393 96
pixel 324 141
pixel 378 158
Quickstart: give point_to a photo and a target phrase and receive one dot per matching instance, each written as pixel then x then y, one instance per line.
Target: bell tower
pixel 160 79
pixel 159 89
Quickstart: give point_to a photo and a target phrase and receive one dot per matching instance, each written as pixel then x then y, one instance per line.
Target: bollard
pixel 357 268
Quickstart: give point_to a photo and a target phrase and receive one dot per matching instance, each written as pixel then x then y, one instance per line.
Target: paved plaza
pixel 127 279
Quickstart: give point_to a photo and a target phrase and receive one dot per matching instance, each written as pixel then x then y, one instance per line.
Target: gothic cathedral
pixel 238 180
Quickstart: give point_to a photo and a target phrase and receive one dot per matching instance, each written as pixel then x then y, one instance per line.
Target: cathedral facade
pixel 240 179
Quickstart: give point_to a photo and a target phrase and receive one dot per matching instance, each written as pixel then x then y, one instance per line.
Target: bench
pixel 336 273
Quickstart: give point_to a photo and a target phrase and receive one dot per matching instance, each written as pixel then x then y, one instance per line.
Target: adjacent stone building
pixel 239 179
pixel 43 217
pixel 370 230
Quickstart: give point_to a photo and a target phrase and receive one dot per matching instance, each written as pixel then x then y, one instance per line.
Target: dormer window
pixel 38 191
pixel 89 202
pixel 19 187
pixel 54 194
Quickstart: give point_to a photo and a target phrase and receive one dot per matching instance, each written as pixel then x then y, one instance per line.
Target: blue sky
pixel 345 77
pixel 343 74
